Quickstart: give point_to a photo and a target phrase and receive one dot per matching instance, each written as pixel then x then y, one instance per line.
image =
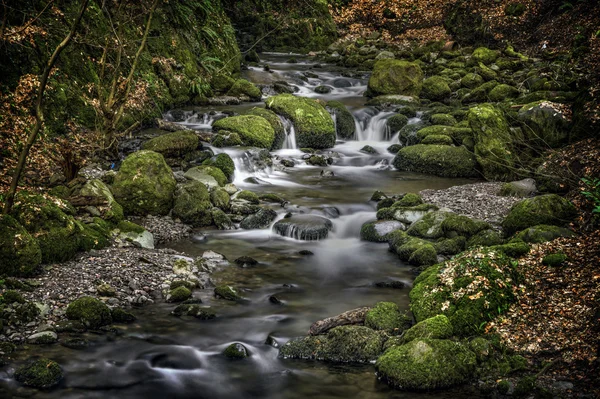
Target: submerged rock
pixel 304 227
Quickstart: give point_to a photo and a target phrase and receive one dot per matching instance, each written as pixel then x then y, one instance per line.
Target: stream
pixel 161 356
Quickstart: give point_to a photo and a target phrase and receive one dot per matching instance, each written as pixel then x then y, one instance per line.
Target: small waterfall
pixel 372 126
pixel 348 226
pixel 247 164
pixel 289 142
pixel 197 121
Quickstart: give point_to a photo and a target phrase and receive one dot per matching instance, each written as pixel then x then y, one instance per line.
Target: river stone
pixel 412 214
pixel 260 220
pixel 198 174
pixel 377 231
pixel 42 338
pixel 144 239
pixel 304 227
pixel 236 351
pixel 41 373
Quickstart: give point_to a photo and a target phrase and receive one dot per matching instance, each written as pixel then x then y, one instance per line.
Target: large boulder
pixel 438 160
pixel 314 126
pixel 112 211
pixel 436 88
pixel 493 141
pixel 275 123
pixel 344 344
pixel 41 373
pixel 465 289
pixel 437 327
pixel 145 184
pixel 20 253
pixel 92 312
pixel 396 77
pixel 426 364
pixel 244 88
pixel 210 176
pixel 549 209
pixel 192 204
pixel 254 130
pixel 545 123
pixel 174 144
pixel 344 121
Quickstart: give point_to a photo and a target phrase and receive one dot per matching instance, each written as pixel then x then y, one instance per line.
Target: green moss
pixel 471 80
pixel 121 316
pixel 220 199
pixel 179 294
pixel 543 233
pixel 549 209
pixel 481 347
pixel 525 386
pixel 545 124
pixel 242 87
pixel 436 88
pixel 397 122
pixel 458 134
pixel 396 77
pixel 20 253
pixel 387 316
pixel 454 225
pixel 480 93
pixel 90 311
pixel 144 184
pixel 437 327
pixel 517 363
pixel 434 139
pixel 503 92
pixel 126 226
pixel 228 293
pixel 493 140
pixel 344 121
pixel 215 172
pixel 449 289
pixel 438 160
pixel 236 351
pixel 172 145
pixel 410 199
pixel 275 123
pixel 113 212
pixel 221 83
pixel 487 73
pixel 273 198
pixel 248 196
pixel 443 119
pixel 429 226
pixel 194 310
pixel 192 204
pixel 224 163
pixel 485 238
pixel 313 124
pixel 41 373
pixel 514 249
pixel 485 55
pixel 226 139
pixel 450 246
pixel 253 130
pixel 426 364
pixel 92 236
pixel 554 260
pixel 416 251
pixel 503 387
pixel 11 296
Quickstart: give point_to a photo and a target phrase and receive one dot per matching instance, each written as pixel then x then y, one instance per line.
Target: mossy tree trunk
pixel 39 113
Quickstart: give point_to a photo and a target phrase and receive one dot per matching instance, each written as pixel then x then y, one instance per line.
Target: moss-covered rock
pixel 260 220
pixel 469 289
pixel 396 122
pixel 344 121
pixel 406 214
pixel 471 80
pixel 179 294
pixel 345 344
pixel 387 316
pixel 242 87
pixel 450 246
pixel 113 212
pixel 212 171
pixel 220 199
pixel 50 221
pixel 192 204
pixel 314 126
pixel 20 253
pixel 436 88
pixel 396 77
pixel 545 123
pixel 236 351
pixel 435 139
pixel 458 134
pixel 254 130
pixel 224 163
pixel 480 93
pixel 459 225
pixel 120 315
pixel 221 83
pixel 378 231
pixel 248 196
pixel 493 141
pixel 554 260
pixel 228 293
pixel 89 311
pixel 430 225
pixel 485 55
pixel 503 92
pixel 543 233
pixel 41 373
pixel 409 199
pixel 485 238
pixel 514 249
pixel 549 209
pixel 172 145
pixel 426 364
pixel 415 251
pixel 144 184
pixel 226 139
pixel 438 160
pixel 443 120
pixel 275 123
pixel 437 327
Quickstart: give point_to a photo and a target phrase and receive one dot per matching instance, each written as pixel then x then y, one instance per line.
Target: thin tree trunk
pixel 39 113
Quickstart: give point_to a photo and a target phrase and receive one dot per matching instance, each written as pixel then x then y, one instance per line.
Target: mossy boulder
pixel 480 93
pixel 438 160
pixel 549 209
pixel 545 123
pixel 228 293
pixel 415 251
pixel 220 199
pixel 387 316
pixel 50 220
pixel 514 249
pixel 344 121
pixel 396 77
pixel 221 83
pixel 378 231
pixel 275 123
pixel 192 204
pixel 426 364
pixel 254 130
pixel 436 88
pixel 248 196
pixel 236 351
pixel 314 126
pixel 450 246
pixel 226 139
pixel 486 72
pixel 409 199
pixel 430 225
pixel 485 238
pixel 459 225
pixel 437 327
pixel 406 214
pixel 41 373
pixel 112 211
pixel 120 315
pixel 471 80
pixel 469 289
pixel 344 344
pixel 179 294
pixel 443 120
pixel 458 134
pixel 554 260
pixel 396 122
pixel 434 139
pixel 224 163
pixel 242 87
pixel 144 184
pixel 543 233
pixel 503 92
pixel 485 55
pixel 493 141
pixel 89 311
pixel 206 175
pixel 172 145
pixel 20 253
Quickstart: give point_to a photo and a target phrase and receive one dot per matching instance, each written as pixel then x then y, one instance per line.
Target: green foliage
pixel 592 192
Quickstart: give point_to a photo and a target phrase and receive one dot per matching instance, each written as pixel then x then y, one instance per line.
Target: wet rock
pixel 106 290
pixel 90 311
pixel 377 231
pixel 75 343
pixel 323 89
pixel 288 163
pixel 42 373
pixel 194 310
pixel 179 294
pixel 245 261
pixel 275 301
pixel 304 227
pixel 390 284
pixel 228 293
pixel 369 150
pixel 43 338
pixel 305 252
pixel 121 316
pixel 260 220
pixel 236 351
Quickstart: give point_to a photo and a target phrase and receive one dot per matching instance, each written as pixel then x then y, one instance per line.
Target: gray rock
pixel 260 220
pixel 521 188
pixel 304 227
pixel 41 338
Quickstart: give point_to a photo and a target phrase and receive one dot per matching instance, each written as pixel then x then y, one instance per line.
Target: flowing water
pixel 161 356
